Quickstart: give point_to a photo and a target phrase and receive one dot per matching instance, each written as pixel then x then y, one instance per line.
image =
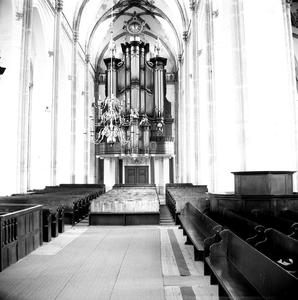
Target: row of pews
pixel 28 220
pixel 251 255
pixel 176 197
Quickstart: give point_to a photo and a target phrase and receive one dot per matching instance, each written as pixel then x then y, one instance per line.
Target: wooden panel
pixel 136 175
pixel 130 175
pixel 142 219
pixel 264 182
pixel 142 174
pixel 120 219
pixel 107 219
pixel 21 233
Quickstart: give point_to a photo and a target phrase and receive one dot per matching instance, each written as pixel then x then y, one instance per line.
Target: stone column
pixel 179 135
pixel 240 62
pixel 86 119
pixel 95 114
pixel 55 94
pixel 286 5
pixel 195 87
pixel 73 106
pixel 212 106
pixel 186 134
pixel 23 120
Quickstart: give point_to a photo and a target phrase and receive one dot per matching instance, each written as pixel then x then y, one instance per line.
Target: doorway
pixel 135 175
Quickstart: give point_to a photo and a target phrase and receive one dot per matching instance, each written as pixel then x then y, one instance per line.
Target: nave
pixel 110 262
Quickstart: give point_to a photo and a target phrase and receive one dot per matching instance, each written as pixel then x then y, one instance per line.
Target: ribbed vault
pixel 165 20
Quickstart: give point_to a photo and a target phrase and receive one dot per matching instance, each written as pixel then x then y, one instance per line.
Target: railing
pixel 9 231
pixel 20 232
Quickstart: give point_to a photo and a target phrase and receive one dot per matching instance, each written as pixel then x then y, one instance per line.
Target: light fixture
pixel 111 121
pixel 2 70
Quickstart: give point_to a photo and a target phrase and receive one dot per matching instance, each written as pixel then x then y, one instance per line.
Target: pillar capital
pixel 287 3
pixel 59 5
pixel 185 36
pixel 192 5
pixel 180 58
pixel 75 36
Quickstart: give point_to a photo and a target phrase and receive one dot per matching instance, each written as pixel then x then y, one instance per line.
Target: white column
pixel 109 173
pixel 23 120
pixel 186 114
pixel 55 95
pixel 180 120
pixel 86 120
pixel 292 77
pixel 271 126
pixel 211 98
pixel 73 107
pixel 195 87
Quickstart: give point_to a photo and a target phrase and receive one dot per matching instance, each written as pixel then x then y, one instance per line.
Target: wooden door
pixel 135 175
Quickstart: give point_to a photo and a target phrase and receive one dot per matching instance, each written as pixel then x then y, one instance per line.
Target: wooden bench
pixel 200 230
pixel 248 230
pixel 268 220
pixel 73 202
pixel 177 195
pixel 243 272
pixel 281 249
pixel 289 214
pixel 46 225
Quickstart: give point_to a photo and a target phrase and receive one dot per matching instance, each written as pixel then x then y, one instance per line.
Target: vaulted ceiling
pixel 94 20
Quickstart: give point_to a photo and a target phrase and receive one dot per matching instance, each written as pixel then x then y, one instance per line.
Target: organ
pixel 136 82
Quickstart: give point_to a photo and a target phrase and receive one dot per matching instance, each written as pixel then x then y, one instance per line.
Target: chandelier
pixel 111 122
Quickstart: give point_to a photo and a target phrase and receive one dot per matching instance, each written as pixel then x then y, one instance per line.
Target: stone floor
pixel 109 262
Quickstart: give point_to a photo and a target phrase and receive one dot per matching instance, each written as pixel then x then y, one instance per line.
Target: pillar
pixel 24 98
pixel 195 87
pixel 286 6
pixel 73 107
pixel 211 98
pixel 55 93
pixel 86 120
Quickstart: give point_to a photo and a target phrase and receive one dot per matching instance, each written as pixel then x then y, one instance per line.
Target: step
pixel 165 217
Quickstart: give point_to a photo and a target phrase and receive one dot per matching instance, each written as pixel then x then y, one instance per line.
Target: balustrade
pixel 9 231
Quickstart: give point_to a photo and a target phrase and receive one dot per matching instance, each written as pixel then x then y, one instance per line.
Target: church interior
pixel 152 152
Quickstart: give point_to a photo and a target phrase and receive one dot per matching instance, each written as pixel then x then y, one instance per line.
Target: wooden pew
pixel 170 201
pixel 54 223
pixel 243 272
pixel 177 195
pixel 200 230
pixel 285 226
pixel 280 248
pixel 46 224
pixel 248 230
pixel 289 214
pixel 61 219
pixel 73 201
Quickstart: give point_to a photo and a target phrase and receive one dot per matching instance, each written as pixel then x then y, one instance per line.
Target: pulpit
pixel 264 182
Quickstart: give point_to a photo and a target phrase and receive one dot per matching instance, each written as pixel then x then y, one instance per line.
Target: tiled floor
pixel 133 262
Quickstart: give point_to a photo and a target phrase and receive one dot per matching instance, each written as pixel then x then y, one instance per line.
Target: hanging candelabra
pixel 111 121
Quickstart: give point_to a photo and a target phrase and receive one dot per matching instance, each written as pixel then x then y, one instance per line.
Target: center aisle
pixel 109 262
